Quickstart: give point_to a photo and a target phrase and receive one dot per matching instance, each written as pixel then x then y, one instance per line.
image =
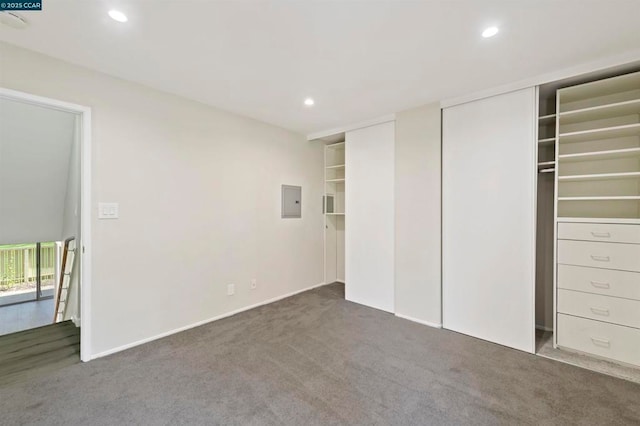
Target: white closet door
pixel 369 216
pixel 489 188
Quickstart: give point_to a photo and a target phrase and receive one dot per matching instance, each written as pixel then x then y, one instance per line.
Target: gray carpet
pixel 317 359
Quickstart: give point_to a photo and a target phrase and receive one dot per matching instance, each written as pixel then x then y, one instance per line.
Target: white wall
pixel 199 194
pixel 417 215
pixel 35 145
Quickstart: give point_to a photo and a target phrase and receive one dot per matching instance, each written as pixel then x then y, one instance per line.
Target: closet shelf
pixel 600 155
pixel 336 167
pixel 599 176
pixel 336 145
pixel 546 163
pixel 546 141
pixel 605 198
pixel 600 112
pixel 596 89
pixel 599 220
pixel 552 170
pixel 334 214
pixel 603 133
pixel 548 117
pixel 334 180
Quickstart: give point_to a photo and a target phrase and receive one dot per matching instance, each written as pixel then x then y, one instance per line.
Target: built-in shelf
pixel 546 141
pixel 603 133
pixel 545 118
pixel 336 145
pixel 599 220
pixel 599 176
pixel 552 170
pixel 336 167
pixel 334 214
pixel 615 85
pixel 618 109
pixel 604 198
pixel 546 163
pixel 600 155
pixel 334 180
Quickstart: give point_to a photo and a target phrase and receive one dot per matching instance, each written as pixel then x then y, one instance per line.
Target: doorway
pixel 45 201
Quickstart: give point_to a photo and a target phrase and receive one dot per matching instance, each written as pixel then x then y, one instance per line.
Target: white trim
pixel 339 281
pixel 430 324
pixel 85 203
pixel 349 127
pixel 199 323
pixel 609 62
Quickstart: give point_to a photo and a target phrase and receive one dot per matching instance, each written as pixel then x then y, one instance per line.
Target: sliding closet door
pixel 489 189
pixel 369 216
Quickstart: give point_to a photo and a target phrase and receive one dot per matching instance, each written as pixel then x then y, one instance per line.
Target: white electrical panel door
pixel 489 204
pixel 369 216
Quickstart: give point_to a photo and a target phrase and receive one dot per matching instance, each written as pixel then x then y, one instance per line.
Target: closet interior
pixel 334 209
pixel 588 223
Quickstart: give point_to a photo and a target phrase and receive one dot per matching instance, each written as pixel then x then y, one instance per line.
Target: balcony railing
pixel 24 270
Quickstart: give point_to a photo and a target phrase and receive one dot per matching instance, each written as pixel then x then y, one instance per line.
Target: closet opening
pixel 588 221
pixel 334 208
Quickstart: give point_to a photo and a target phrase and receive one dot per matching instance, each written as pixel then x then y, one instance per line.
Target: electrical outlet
pixel 231 289
pixel 254 284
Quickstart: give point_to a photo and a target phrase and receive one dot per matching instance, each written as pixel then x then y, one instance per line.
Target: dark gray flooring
pixel 317 359
pixel 39 351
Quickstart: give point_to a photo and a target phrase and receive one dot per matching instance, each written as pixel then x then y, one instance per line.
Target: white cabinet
pixel 489 205
pixel 598 209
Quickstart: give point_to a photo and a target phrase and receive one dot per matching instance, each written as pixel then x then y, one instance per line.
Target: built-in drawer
pixel 625 257
pixel 606 232
pixel 602 308
pixel 608 282
pixel 599 338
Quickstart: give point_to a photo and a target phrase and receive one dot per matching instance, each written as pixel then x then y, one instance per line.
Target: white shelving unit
pixel 598 148
pixel 334 211
pixel 598 218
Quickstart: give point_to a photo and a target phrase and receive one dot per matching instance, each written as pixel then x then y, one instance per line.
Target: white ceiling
pixel 358 59
pixel 35 149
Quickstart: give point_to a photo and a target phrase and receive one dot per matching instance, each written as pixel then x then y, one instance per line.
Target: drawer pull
pixel 600 258
pixel 596 284
pixel 604 343
pixel 601 234
pixel 600 311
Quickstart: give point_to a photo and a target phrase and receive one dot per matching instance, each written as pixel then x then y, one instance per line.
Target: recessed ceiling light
pixel 116 15
pixel 490 32
pixel 309 102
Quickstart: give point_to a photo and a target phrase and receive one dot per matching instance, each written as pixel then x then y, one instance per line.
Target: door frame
pixel 84 112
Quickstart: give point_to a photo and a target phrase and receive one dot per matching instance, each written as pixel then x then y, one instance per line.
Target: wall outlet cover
pixel 231 289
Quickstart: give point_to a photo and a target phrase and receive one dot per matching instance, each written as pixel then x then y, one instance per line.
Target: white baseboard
pixel 76 320
pixel 419 321
pixel 543 328
pixel 199 323
pixel 339 281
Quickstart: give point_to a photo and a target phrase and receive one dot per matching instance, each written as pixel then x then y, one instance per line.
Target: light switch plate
pixel 107 210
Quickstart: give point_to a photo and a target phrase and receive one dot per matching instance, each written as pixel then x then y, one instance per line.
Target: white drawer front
pixel 601 308
pixel 599 338
pixel 625 257
pixel 600 281
pixel 606 232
